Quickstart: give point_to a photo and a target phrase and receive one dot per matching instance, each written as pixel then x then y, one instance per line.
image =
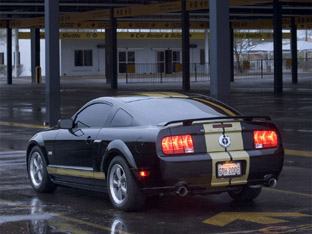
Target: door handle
pixel 89 140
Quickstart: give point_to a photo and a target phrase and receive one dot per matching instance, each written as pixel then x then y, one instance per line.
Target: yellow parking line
pixel 12 124
pixel 298 153
pixel 5 149
pixel 68 218
pixel 289 192
pixel 13 203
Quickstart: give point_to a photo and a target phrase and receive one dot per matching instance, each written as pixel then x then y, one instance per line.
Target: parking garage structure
pixel 221 16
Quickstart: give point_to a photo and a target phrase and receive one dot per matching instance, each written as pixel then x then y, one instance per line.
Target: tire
pixel 123 190
pixel 37 172
pixel 245 193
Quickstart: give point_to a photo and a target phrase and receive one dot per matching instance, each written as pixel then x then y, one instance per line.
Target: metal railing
pixel 158 73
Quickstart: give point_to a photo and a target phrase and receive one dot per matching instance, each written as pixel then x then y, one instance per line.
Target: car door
pixel 75 151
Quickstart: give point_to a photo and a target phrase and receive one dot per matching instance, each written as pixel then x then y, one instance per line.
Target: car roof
pixel 132 97
pixel 154 109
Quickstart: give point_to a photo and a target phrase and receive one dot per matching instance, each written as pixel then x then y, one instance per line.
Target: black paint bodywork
pixel 140 145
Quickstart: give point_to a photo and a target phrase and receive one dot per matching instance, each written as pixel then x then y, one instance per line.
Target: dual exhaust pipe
pixel 183 191
pixel 271 183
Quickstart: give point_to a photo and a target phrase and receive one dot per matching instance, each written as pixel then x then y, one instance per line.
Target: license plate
pixel 229 169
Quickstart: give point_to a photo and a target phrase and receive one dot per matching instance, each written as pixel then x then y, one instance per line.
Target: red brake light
pixel 144 173
pixel 265 139
pixel 182 144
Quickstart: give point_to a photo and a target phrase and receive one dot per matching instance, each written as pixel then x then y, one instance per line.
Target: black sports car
pixel 149 144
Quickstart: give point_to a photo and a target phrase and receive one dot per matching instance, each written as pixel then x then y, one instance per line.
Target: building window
pixel 83 58
pixel 1 58
pixel 125 58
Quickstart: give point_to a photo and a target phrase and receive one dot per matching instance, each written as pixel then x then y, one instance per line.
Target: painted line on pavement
pixel 5 149
pixel 298 153
pixel 289 192
pixel 23 125
pixel 68 218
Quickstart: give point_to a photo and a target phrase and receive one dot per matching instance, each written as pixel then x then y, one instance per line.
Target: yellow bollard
pixel 38 74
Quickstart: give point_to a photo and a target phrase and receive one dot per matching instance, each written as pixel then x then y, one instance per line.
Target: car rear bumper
pixel 198 172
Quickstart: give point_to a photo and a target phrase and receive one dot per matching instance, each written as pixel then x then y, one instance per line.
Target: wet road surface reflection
pixel 68 210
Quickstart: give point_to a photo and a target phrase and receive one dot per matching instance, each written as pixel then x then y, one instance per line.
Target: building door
pixel 160 61
pixel 166 61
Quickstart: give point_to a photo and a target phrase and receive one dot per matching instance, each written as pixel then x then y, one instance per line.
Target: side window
pixel 93 116
pixel 122 119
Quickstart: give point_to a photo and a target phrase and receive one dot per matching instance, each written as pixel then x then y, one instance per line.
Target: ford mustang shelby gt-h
pixel 149 144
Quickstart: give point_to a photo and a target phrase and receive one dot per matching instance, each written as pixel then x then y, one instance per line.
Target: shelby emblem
pixel 225 141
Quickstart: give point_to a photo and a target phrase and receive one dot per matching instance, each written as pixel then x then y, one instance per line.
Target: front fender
pixel 114 148
pixel 36 140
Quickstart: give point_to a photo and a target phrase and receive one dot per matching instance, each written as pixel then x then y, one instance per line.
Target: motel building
pixel 140 52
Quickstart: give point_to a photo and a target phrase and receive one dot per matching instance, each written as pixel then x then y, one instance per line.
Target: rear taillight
pixel 265 139
pixel 182 144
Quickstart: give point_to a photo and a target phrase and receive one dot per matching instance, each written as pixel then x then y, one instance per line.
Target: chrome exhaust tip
pixel 272 183
pixel 182 191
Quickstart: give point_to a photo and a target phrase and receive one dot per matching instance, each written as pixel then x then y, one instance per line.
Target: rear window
pixel 168 109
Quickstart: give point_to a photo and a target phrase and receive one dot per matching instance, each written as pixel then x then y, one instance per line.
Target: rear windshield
pixel 159 110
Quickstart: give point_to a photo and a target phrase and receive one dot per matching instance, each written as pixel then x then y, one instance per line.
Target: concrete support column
pixel 35 52
pixel 185 47
pixel 231 52
pixel 53 100
pixel 220 67
pixel 294 61
pixel 16 53
pixel 107 56
pixel 9 54
pixel 113 50
pixel 207 51
pixel 278 50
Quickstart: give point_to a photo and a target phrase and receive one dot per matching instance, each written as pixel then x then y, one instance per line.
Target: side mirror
pixel 65 123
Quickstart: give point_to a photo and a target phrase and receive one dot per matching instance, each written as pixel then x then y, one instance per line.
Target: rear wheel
pixel 37 172
pixel 123 191
pixel 245 193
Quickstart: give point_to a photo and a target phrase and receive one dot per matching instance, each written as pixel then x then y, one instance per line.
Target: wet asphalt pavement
pixel 285 209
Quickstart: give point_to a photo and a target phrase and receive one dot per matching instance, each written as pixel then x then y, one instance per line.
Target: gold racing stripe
pixel 163 94
pixel 218 154
pixel 235 133
pixel 241 156
pixel 75 172
pixel 218 157
pixel 236 150
pixel 212 136
pixel 224 109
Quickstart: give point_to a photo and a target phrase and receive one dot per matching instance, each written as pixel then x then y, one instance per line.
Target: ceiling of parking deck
pixel 17 11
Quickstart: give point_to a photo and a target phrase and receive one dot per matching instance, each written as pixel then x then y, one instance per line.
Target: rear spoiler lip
pixel 188 122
